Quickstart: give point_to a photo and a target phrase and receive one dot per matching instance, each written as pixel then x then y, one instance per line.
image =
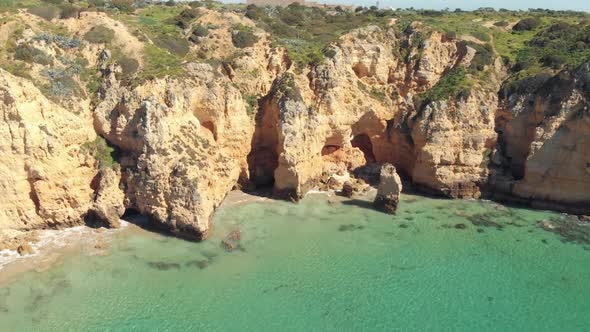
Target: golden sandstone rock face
pixel 45 177
pixel 183 143
pixel 389 190
pixel 543 155
pixel 362 106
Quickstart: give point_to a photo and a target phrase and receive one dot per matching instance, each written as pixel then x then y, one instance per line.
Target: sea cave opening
pixel 363 142
pixel 263 158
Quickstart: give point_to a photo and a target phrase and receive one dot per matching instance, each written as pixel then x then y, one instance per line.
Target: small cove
pixel 326 262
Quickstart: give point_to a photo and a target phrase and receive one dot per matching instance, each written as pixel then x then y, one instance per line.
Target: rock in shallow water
pixel 347 189
pixel 24 249
pixel 231 241
pixel 571 229
pixel 163 266
pixel 390 187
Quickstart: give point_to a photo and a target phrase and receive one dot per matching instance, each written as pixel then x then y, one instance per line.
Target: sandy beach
pixel 53 244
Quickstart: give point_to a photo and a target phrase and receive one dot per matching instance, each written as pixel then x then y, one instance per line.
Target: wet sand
pixel 54 244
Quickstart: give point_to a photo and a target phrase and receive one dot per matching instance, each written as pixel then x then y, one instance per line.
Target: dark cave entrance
pixel 262 162
pixel 263 158
pixel 363 142
pixel 135 216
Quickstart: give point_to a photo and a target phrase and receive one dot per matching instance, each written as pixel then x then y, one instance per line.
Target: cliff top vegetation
pixel 528 42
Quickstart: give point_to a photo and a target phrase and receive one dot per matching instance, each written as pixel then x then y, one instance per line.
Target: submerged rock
pixel 390 187
pixel 570 229
pixel 163 266
pixel 547 225
pixel 201 264
pixel 350 227
pixel 24 249
pixel 231 241
pixel 347 189
pixel 482 220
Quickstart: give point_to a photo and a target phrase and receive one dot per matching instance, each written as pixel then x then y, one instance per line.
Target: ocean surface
pixel 324 264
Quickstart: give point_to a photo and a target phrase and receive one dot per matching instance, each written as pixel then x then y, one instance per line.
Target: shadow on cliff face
pixel 149 223
pixel 363 142
pixel 263 157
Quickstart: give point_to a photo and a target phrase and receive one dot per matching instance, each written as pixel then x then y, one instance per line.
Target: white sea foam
pixel 53 239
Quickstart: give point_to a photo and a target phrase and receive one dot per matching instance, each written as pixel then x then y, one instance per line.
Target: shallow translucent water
pixel 321 266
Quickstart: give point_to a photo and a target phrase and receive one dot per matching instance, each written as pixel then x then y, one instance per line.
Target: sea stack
pixel 390 187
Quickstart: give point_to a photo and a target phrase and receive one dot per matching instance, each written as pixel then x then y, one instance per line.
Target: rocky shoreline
pixel 46 247
pixel 170 148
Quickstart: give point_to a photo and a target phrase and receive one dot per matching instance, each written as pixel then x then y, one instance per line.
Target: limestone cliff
pixel 358 108
pixel 543 155
pixel 46 174
pixel 242 116
pixel 185 141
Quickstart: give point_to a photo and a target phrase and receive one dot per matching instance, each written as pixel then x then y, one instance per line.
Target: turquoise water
pixel 321 265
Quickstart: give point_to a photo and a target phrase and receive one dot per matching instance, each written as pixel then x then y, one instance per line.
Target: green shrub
pixel 315 58
pixel 123 5
pixel 30 54
pixel 101 151
pixel 129 66
pixel 501 24
pixel 159 63
pixel 552 60
pixel 251 104
pixel 96 3
pixel 286 87
pixel 484 56
pixel 198 32
pixel 201 31
pixel 254 12
pixel 529 23
pixel 17 68
pixel 61 41
pixel 525 85
pixel 185 17
pixel 174 44
pixel 306 31
pixel 450 85
pixel 195 4
pixel 62 83
pixel 484 37
pixel 243 38
pixel 100 35
pixel 451 35
pixel 46 12
pixel 69 11
pixel 329 52
pixel 561 44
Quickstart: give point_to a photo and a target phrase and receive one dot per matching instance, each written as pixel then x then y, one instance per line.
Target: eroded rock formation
pixel 543 155
pixel 45 174
pixel 390 188
pixel 253 120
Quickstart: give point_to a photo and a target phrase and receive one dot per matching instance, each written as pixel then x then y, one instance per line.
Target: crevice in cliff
pixel 33 196
pixel 399 138
pixel 263 158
